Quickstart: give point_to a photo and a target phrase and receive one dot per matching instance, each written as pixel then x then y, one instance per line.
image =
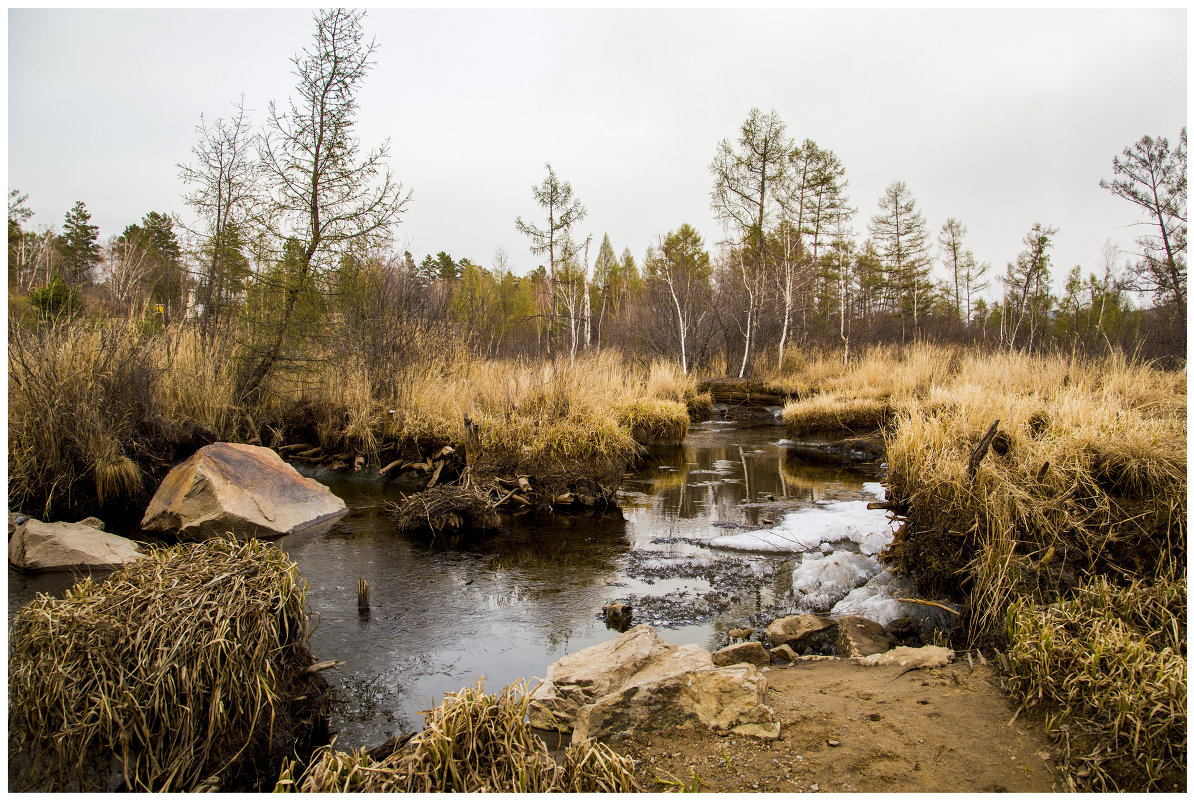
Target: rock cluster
pixel 639 682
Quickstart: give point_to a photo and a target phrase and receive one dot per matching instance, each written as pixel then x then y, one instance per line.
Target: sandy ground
pixel 849 728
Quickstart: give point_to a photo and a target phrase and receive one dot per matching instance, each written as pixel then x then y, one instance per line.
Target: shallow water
pixel 505 607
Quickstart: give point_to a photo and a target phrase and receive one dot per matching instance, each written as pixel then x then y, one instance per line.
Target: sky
pixel 1000 118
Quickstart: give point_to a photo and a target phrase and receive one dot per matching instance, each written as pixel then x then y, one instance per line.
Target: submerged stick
pixel 362 597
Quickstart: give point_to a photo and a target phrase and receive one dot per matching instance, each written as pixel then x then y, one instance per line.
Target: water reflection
pixel 507 605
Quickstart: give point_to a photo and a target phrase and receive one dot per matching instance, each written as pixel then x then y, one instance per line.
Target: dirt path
pixel 849 728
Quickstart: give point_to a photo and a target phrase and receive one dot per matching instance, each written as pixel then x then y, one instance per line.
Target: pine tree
pixel 79 245
pixel 901 236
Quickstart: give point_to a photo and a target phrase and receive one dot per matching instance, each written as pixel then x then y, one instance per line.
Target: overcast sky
pixel 999 118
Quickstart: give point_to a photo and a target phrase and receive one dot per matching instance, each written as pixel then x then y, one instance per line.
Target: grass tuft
pixel 472 742
pixel 179 667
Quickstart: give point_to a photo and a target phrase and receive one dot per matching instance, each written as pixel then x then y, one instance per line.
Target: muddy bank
pixel 847 728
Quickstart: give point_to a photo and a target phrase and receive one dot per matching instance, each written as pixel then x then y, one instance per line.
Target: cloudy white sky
pixel 999 118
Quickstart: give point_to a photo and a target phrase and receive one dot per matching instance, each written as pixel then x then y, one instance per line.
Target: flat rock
pixel 725 699
pixel 752 653
pixel 242 489
pixel 928 656
pixel 857 636
pixel 801 631
pixel 635 657
pixel 36 546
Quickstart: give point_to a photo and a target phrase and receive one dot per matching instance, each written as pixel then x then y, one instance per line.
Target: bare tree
pixel 679 264
pixel 1153 177
pixel 325 196
pixel 747 182
pixel 563 212
pixel 127 270
pixel 224 177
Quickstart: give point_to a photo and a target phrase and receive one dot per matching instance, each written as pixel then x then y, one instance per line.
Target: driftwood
pixel 362 597
pixel 445 509
pixel 320 666
pixel 980 450
pixel 933 604
pixel 309 453
pixel 297 446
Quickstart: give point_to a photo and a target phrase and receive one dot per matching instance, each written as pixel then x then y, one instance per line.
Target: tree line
pixel 291 254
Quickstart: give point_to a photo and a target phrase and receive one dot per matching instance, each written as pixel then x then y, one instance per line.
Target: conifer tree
pixel 79 244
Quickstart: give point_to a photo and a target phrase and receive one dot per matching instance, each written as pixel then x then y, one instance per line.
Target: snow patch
pixel 819 581
pixel 808 529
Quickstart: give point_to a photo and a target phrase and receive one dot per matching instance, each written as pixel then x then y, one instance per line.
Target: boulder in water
pixel 242 489
pixel 36 546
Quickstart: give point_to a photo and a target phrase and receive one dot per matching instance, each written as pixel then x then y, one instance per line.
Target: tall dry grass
pixel 862 394
pixel 1081 497
pixel 472 742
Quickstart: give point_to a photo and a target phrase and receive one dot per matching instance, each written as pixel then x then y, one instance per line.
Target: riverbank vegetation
pixel 280 313
pixel 472 742
pixel 187 668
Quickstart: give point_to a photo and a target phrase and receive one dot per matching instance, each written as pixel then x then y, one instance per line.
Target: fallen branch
pixel 980 450
pixel 320 666
pixel 933 604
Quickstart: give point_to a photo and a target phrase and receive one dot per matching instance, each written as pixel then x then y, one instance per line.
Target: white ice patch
pixel 876 600
pixel 808 529
pixel 819 581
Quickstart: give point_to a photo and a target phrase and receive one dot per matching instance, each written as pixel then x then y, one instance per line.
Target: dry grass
pixel 472 742
pixel 1109 666
pixel 1081 498
pixel 179 667
pixel 833 414
pixel 96 408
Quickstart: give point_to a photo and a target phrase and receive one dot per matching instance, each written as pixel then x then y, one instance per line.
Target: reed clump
pixel 1109 667
pixel 1078 505
pixel 472 742
pixel 834 396
pixel 184 667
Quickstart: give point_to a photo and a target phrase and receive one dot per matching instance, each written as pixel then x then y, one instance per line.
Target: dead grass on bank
pixel 1076 514
pixel 1109 667
pixel 179 667
pixel 472 742
pixel 834 396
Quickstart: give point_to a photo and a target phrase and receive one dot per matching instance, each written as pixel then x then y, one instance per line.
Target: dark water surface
pixel 505 607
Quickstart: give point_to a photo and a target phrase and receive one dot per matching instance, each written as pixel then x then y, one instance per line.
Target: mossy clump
pixel 183 668
pixel 472 742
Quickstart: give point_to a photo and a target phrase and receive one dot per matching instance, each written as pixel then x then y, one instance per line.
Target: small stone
pixel 834 743
pixel 815 788
pixel 783 655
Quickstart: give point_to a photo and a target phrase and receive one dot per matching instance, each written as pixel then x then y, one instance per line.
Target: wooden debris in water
pixel 445 509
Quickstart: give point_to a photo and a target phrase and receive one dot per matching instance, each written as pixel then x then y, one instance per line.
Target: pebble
pixel 815 788
pixel 834 743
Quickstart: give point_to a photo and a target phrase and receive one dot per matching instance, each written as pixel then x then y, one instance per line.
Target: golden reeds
pixel 471 742
pixel 179 667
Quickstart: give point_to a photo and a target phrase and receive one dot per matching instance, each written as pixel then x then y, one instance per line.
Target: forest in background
pixel 294 222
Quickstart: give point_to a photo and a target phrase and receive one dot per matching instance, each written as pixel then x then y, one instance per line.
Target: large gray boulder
pixel 636 657
pixel 727 700
pixel 243 489
pixel 36 546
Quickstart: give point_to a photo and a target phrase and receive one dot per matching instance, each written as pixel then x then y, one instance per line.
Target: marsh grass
pixel 1077 513
pixel 471 742
pixel 99 409
pixel 179 667
pixel 1109 667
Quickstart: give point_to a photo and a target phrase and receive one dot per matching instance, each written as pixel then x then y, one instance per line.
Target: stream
pixel 506 606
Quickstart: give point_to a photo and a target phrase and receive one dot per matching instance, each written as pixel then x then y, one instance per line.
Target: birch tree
pixel 748 180
pixel 679 265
